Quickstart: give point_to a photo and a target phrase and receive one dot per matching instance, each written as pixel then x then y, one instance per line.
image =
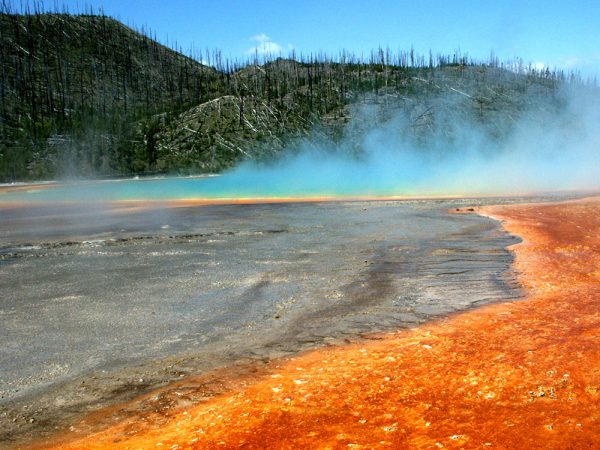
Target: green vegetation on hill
pixel 87 96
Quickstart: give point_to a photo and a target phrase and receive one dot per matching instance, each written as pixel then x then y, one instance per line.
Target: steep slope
pixel 64 75
pixel 88 96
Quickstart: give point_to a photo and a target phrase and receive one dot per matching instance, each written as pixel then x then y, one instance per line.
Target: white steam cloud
pixel 266 46
pixel 541 151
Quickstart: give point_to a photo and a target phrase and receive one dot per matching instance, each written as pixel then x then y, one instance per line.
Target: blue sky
pixel 544 32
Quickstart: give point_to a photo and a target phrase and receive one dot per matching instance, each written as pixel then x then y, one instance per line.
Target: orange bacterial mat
pixel 517 375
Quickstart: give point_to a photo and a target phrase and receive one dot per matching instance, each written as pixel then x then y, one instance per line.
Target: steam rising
pixel 405 147
pixel 539 151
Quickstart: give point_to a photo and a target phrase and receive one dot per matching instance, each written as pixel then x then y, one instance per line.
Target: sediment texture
pixel 107 305
pixel 524 374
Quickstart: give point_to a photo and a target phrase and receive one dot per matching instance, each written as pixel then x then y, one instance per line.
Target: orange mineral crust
pixel 515 375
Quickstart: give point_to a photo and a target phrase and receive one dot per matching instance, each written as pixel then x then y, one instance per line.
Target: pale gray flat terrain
pixel 97 306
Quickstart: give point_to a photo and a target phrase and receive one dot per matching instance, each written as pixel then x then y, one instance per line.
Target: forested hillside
pixel 85 95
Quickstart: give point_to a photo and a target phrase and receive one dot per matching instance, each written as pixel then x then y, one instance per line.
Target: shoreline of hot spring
pixel 509 375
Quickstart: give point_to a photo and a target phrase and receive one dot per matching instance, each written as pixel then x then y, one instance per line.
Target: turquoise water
pixel 267 183
pixel 308 174
pixel 130 189
pixel 387 172
pixel 209 188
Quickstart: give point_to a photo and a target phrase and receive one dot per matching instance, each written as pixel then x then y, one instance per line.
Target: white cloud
pixel 539 66
pixel 572 61
pixel 266 46
pixel 587 66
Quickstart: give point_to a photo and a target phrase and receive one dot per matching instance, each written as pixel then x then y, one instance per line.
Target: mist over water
pixel 389 149
pixel 542 150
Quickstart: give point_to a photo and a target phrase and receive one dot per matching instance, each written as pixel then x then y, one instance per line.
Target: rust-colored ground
pixel 516 375
pixel 127 206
